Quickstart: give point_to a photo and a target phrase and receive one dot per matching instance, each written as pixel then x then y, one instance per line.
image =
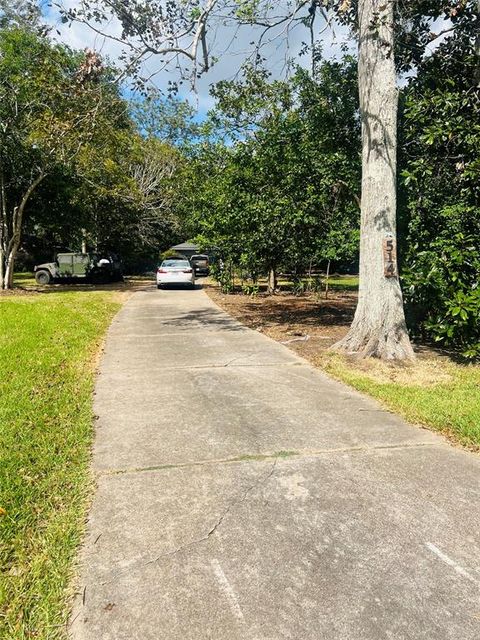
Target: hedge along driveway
pixel 48 351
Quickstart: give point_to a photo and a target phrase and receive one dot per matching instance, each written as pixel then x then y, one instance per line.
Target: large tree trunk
pixel 2 267
pixel 327 278
pixel 11 252
pixel 378 328
pixel 14 242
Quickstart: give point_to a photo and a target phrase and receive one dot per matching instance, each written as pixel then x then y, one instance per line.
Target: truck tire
pixel 43 277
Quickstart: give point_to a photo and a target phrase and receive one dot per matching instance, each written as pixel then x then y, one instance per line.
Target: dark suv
pixel 200 264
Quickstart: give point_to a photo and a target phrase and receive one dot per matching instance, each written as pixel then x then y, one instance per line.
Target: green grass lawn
pixel 335 283
pixel 342 283
pixel 434 392
pixel 24 279
pixel 48 348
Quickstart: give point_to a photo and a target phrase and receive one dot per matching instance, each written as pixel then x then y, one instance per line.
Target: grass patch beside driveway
pixel 48 351
pixel 434 392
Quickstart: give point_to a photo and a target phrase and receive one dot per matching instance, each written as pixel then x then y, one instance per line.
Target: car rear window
pixel 175 263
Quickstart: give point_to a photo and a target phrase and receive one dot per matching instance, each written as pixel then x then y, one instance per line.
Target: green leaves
pixel 107 172
pixel 443 285
pixel 283 191
pixel 440 192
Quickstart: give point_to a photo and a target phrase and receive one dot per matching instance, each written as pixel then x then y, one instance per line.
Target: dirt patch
pixel 426 371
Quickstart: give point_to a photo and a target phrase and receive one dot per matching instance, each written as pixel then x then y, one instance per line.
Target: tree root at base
pixel 360 343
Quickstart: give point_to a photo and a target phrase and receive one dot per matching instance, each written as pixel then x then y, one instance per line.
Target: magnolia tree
pixel 182 34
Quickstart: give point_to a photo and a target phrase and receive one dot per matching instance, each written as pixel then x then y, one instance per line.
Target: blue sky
pixel 232 48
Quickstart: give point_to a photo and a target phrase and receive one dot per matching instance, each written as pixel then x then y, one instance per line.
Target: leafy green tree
pixel 129 197
pixel 53 220
pixel 280 190
pixel 441 186
pixel 165 118
pixel 53 110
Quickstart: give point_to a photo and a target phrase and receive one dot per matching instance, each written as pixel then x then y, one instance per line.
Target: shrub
pixel 442 292
pixel 223 275
pixel 250 289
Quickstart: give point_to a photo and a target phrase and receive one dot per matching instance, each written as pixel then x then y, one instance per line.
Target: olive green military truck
pixel 77 267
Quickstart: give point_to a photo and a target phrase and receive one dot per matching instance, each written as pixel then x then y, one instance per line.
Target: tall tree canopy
pixel 284 194
pixel 70 146
pixel 441 192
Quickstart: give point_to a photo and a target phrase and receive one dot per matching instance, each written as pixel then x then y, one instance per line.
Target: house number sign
pixel 390 256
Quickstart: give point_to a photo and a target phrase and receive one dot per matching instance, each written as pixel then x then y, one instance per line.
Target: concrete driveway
pixel 244 495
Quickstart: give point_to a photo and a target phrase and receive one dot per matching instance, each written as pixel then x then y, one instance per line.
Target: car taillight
pixel 161 270
pixel 187 271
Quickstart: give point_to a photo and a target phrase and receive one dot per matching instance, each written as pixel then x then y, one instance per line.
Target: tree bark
pixel 3 229
pixel 2 267
pixel 327 280
pixel 14 242
pixel 272 281
pixel 84 241
pixel 379 328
